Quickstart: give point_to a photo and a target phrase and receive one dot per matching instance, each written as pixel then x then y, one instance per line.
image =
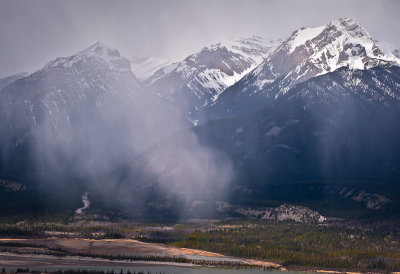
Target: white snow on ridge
pixel 303 35
pixel 219 81
pixel 144 67
pixel 388 49
pixel 355 39
pixel 162 72
pixel 214 78
pixel 254 47
pixel 242 56
pixel 351 41
pixel 316 51
pixel 100 51
pixel 210 71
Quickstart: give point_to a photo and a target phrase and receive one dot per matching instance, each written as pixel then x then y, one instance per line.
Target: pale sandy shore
pixel 115 247
pixel 124 247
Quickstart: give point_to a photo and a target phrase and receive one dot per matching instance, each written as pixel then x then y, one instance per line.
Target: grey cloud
pixel 34 32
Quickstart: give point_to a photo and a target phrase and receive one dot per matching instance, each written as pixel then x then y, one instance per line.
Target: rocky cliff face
pixel 285 212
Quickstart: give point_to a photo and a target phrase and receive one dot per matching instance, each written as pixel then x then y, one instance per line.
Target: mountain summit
pixel 99 54
pixel 310 52
pixel 200 78
pixel 323 106
pixel 307 53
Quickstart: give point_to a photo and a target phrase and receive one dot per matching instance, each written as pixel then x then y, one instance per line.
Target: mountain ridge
pixel 320 110
pixel 305 54
pixel 200 78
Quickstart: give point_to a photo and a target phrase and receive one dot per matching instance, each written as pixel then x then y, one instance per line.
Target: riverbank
pixel 244 243
pixel 77 251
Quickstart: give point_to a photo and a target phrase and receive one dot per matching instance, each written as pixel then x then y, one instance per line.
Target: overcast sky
pixel 35 32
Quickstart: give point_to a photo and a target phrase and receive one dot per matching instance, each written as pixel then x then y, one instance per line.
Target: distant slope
pixel 198 80
pixel 330 133
pixel 75 107
pixel 144 67
pixel 341 125
pixel 8 80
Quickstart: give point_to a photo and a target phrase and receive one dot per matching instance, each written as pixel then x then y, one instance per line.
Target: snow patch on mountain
pixel 254 47
pixel 162 72
pixel 100 52
pixel 311 52
pixel 213 78
pixel 303 35
pixel 144 67
pixel 200 78
pixel 341 43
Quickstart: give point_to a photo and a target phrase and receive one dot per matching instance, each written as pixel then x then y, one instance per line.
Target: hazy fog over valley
pixel 265 131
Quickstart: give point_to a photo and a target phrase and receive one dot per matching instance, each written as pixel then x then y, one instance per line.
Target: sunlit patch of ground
pixel 124 247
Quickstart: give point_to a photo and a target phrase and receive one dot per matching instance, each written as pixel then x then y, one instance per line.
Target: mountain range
pixel 269 121
pixel 198 80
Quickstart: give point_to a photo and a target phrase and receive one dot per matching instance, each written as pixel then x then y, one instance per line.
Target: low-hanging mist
pixel 93 126
pixel 310 120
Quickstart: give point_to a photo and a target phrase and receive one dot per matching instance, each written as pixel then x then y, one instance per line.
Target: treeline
pixel 77 271
pixel 310 246
pixel 40 230
pixel 87 230
pixel 6 231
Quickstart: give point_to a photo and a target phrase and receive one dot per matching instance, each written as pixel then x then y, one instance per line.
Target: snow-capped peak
pixel 346 26
pixel 201 77
pixel 99 52
pixel 345 42
pixel 310 52
pixel 101 49
pixel 350 26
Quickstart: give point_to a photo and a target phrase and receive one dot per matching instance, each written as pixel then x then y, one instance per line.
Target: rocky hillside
pixel 285 212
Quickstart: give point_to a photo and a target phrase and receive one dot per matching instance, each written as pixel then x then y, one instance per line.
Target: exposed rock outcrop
pixel 285 212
